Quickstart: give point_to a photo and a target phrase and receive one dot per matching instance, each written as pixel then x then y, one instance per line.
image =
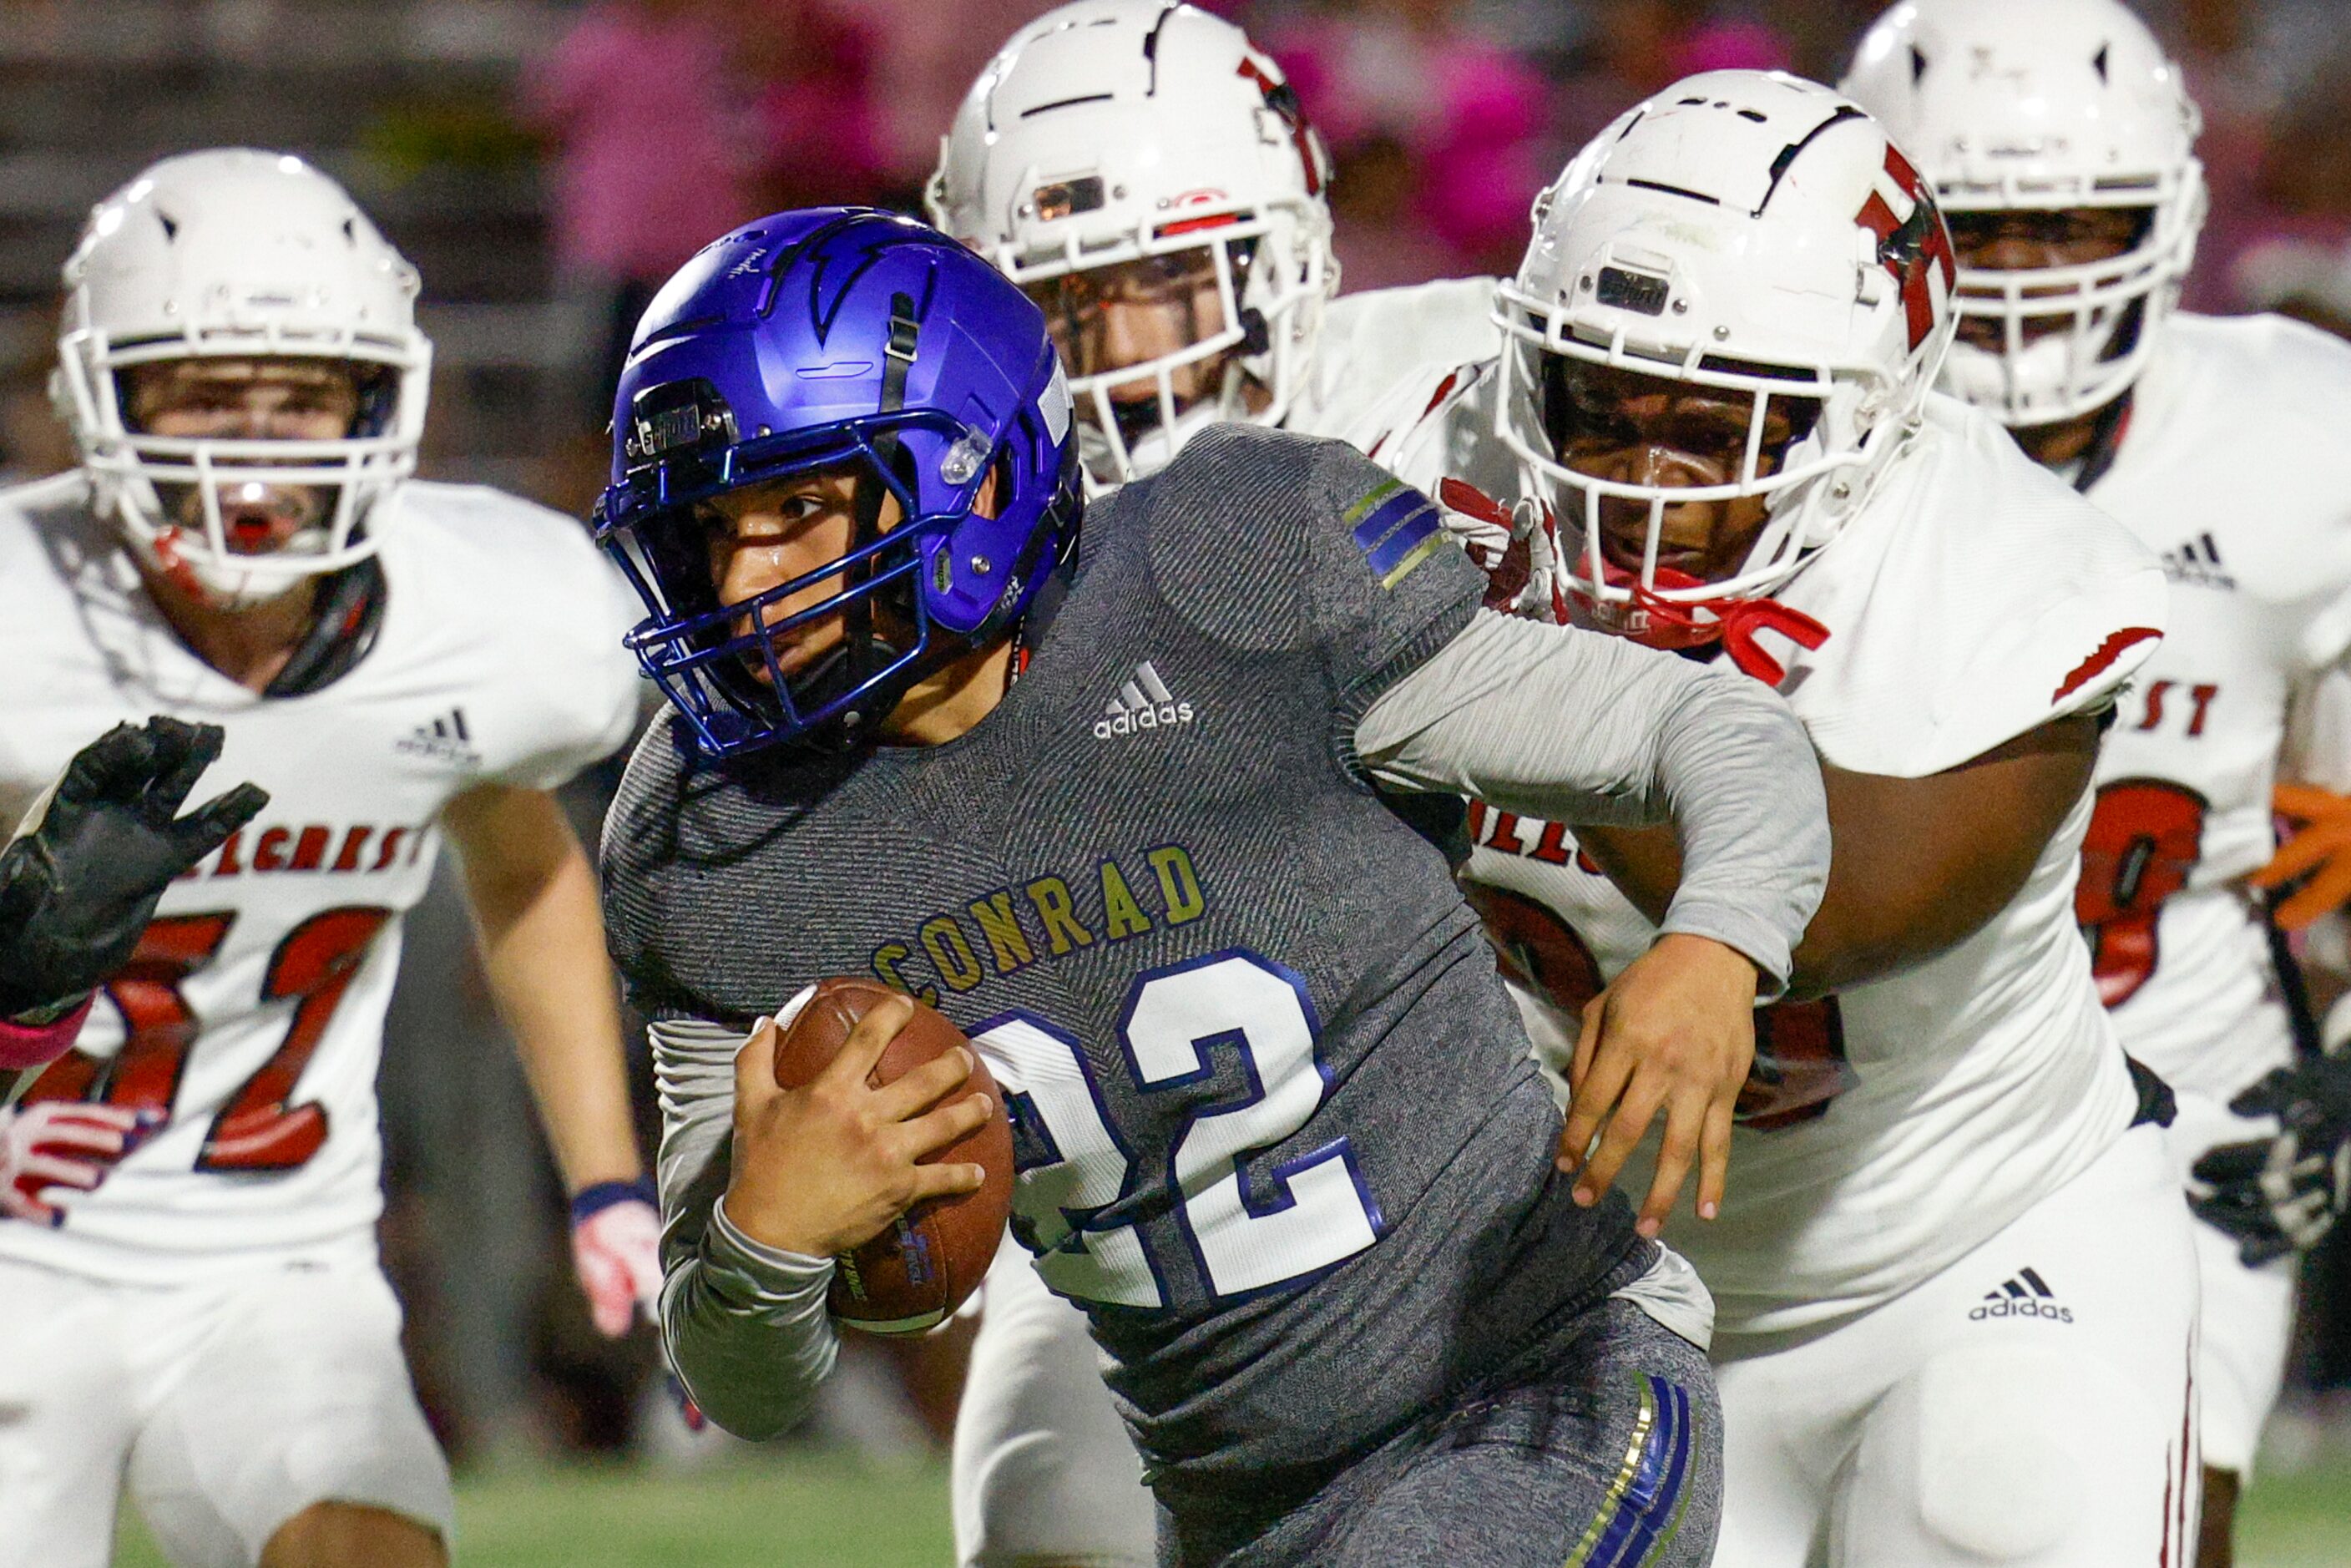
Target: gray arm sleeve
pixel 1573 727
pixel 743 1325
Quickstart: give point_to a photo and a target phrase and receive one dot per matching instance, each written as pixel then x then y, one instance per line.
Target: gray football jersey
pixel 1277 1126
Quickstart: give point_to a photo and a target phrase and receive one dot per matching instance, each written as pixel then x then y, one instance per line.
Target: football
pixel 912 1275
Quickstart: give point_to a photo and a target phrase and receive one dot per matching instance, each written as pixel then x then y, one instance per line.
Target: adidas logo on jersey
pixel 2197 564
pixel 1144 702
pixel 2027 1295
pixel 445 739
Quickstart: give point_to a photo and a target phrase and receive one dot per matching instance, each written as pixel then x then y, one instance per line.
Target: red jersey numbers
pixel 260 1128
pixel 2145 840
pixel 1799 1055
pixel 157 1025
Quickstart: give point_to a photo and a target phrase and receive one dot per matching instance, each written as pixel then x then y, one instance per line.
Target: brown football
pixel 919 1270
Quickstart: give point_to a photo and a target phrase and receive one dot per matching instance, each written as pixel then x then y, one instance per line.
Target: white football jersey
pixel 2235 469
pixel 1373 340
pixel 1889 1132
pixel 251 1020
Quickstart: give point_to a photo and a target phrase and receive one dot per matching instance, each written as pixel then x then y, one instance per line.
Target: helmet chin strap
pixel 208 581
pixel 838 671
pixel 348 613
pixel 1257 337
pixel 861 651
pixel 2113 427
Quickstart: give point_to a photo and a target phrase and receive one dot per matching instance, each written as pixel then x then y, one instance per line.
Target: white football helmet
pixel 1109 131
pixel 1743 231
pixel 237 254
pixel 2046 105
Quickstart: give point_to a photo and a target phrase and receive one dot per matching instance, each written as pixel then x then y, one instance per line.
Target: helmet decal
pixel 1282 98
pixel 1912 247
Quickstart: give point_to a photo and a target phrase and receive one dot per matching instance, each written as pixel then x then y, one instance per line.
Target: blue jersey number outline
pixel 1309 1214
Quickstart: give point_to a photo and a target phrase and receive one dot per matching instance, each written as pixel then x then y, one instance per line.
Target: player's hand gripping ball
pixel 903 1115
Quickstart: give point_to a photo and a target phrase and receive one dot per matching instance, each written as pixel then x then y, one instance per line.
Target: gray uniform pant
pixel 1605 1452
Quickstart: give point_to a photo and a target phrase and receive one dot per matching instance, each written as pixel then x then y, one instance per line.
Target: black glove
pixel 2282 1194
pixel 77 892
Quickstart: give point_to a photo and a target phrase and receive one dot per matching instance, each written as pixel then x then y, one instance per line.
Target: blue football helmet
pixel 836 340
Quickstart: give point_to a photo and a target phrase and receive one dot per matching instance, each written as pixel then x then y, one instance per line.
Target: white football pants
pixel 228 1407
pixel 1044 1473
pixel 2032 1406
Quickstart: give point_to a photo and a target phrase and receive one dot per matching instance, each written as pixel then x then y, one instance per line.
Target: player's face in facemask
pixel 2016 240
pixel 1634 429
pixel 1105 319
pixel 764 535
pixel 248 400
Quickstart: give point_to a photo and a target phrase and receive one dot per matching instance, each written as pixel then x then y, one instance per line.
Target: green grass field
pixel 2299 1521
pixel 798 1512
pixel 808 1512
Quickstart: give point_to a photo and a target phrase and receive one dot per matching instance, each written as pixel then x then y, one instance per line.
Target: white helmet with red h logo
pixel 2046 106
pixel 1751 233
pixel 1110 132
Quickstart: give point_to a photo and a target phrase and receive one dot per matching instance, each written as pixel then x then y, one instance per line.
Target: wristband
pixel 595 1199
pixel 25 1046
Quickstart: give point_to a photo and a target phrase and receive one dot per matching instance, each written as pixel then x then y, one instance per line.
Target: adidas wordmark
pixel 2027 1295
pixel 1144 702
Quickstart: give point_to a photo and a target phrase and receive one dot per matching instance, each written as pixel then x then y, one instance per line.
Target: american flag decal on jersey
pixel 1915 249
pixel 1396 527
pixel 1645 1500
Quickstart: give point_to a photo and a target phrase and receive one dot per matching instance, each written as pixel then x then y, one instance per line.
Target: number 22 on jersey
pixel 1308 1214
pixel 258 1129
